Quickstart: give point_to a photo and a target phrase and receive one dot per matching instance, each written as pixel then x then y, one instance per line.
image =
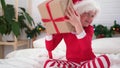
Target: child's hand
pixel 74 18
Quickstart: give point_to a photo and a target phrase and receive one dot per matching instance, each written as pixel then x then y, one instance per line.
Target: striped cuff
pixel 81 35
pixel 48 37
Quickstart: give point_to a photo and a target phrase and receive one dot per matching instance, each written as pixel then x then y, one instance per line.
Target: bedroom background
pixel 110 11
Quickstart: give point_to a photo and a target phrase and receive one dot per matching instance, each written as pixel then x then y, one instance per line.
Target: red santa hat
pixel 86 5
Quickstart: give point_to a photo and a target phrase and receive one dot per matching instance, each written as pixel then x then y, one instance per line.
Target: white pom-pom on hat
pixel 86 5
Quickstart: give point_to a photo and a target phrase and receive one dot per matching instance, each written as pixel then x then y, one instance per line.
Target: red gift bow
pixel 51 18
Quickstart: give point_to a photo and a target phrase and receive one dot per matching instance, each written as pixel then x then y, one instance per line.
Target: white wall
pixel 21 3
pixel 110 11
pixel 35 11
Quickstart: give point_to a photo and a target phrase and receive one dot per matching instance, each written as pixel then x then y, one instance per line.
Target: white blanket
pixel 35 58
pixel 18 63
pixel 28 58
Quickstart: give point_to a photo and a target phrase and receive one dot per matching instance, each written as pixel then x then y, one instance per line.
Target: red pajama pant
pixel 99 62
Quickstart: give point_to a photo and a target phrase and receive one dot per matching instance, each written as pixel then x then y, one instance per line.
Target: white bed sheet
pixel 35 58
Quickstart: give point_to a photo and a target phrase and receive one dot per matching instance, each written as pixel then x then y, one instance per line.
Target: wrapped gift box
pixel 53 16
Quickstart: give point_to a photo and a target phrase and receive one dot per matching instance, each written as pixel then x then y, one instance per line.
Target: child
pixel 78 44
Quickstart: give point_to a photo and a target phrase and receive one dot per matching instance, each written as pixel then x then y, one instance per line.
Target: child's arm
pixel 74 19
pixel 51 42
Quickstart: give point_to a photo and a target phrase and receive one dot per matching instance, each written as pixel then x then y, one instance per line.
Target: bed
pixel 35 57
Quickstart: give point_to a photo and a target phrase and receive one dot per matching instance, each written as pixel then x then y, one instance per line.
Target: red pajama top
pixel 77 50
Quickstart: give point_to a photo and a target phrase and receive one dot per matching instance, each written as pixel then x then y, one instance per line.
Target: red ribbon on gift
pixel 51 18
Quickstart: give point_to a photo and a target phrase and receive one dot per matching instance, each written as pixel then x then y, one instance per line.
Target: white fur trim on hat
pixel 86 5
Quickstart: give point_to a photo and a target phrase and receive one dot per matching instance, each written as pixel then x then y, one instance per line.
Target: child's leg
pixel 99 62
pixel 55 63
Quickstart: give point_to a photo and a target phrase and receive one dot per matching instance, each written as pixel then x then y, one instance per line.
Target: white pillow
pixel 40 43
pixel 106 45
